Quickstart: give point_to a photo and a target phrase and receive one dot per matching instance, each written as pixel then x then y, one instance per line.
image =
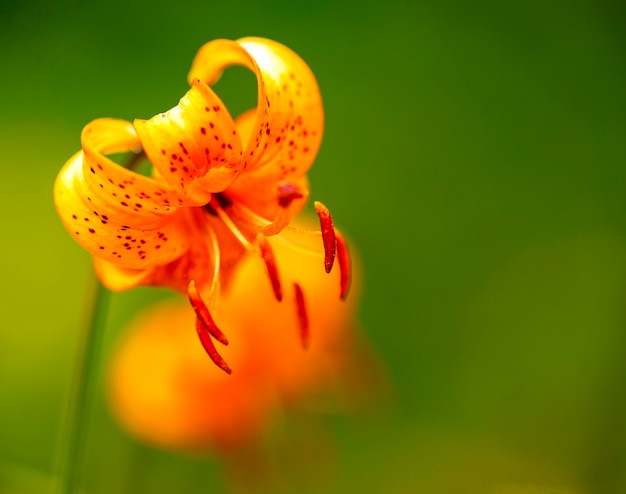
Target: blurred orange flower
pixel 219 188
pixel 162 391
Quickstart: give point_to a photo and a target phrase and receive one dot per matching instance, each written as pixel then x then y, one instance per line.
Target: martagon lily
pixel 219 186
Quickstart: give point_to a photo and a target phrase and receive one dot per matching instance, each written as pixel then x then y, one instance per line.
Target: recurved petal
pixel 194 146
pixel 264 194
pixel 289 120
pixel 174 275
pixel 116 214
pixel 263 190
pixel 119 279
pixel 192 265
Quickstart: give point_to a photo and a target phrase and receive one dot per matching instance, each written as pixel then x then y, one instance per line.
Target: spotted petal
pixel 194 146
pixel 198 263
pixel 114 213
pixel 284 133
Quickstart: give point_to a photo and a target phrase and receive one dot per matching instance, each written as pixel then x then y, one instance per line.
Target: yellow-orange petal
pixel 193 264
pixel 194 146
pixel 284 133
pixel 209 264
pixel 114 213
pixel 260 190
pixel 119 279
pixel 165 390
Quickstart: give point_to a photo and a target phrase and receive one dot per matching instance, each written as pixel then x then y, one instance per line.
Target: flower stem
pixel 73 438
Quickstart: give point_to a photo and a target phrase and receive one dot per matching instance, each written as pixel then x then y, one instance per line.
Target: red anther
pixel 270 263
pixel 303 318
pixel 345 265
pixel 328 235
pixel 209 347
pixel 203 314
pixel 287 193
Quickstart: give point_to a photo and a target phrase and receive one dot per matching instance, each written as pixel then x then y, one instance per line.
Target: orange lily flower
pixel 162 392
pixel 220 186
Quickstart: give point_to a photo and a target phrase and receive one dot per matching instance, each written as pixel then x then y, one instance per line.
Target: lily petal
pixel 197 263
pixel 194 146
pixel 119 279
pixel 262 190
pixel 284 133
pixel 174 275
pixel 114 213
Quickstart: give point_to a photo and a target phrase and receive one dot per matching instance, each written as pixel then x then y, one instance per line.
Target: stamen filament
pixel 299 247
pixel 328 235
pixel 303 318
pixel 287 193
pixel 270 263
pixel 264 248
pixel 345 265
pixel 215 249
pixel 230 224
pixel 258 223
pixel 203 225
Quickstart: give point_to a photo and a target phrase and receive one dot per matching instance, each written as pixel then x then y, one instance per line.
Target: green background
pixel 474 151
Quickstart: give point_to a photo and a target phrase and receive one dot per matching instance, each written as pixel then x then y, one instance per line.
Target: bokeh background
pixel 474 151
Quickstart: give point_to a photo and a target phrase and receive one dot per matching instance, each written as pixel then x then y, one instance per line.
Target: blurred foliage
pixel 475 153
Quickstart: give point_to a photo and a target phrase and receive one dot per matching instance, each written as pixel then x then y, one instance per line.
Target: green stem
pixel 72 442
